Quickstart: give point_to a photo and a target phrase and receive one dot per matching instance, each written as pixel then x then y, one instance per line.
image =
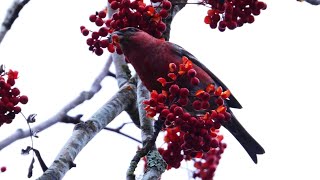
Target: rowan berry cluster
pixel 129 14
pixel 188 135
pixel 207 165
pixel 232 13
pixel 9 97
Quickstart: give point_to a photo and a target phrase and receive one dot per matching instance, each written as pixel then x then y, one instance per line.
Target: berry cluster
pixel 232 13
pixel 188 135
pixel 129 14
pixel 207 165
pixel 9 97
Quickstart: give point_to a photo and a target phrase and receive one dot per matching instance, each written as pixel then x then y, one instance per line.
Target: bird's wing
pixel 233 102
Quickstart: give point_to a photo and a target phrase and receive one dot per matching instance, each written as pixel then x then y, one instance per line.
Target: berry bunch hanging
pixel 188 135
pixel 9 97
pixel 232 13
pixel 129 14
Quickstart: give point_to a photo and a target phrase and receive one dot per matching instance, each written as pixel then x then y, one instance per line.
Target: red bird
pixel 150 57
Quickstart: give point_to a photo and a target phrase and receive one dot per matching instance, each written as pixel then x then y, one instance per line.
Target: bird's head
pixel 125 36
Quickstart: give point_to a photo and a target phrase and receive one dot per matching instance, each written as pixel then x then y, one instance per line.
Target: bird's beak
pixel 116 36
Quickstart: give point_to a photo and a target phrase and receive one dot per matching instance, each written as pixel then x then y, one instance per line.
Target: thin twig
pixel 11 16
pixel 77 119
pixel 85 95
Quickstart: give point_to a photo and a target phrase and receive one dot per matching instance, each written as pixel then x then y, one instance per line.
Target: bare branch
pixel 77 119
pixel 85 95
pixel 177 6
pixel 122 75
pixel 84 132
pixel 313 2
pixel 11 16
pixel 156 165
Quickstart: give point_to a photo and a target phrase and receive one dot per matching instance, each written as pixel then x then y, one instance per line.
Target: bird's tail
pixel 245 139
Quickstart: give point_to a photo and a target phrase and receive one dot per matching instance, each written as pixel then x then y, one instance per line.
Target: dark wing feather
pixel 232 102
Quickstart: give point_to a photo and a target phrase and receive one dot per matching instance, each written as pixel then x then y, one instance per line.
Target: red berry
pixel 256 12
pixel 23 99
pixel 171 117
pixel 82 27
pixel 98 51
pixel 164 113
pixel 102 14
pixel 11 81
pixel 15 91
pixel 205 105
pixel 93 18
pixel 104 43
pixel 166 5
pixel 161 98
pixel 178 111
pixel 183 101
pixel 213 25
pixel 250 19
pixel 195 81
pixel 164 13
pixel 216 18
pixel 108 22
pixel 174 89
pixel 90 41
pixel 134 5
pixel 111 48
pixel 114 5
pixel 95 35
pixel 222 24
pixel 3 169
pixel 221 29
pixel 196 105
pixel 153 102
pixel 119 51
pixel 192 73
pixel 214 114
pixel 85 32
pixel 17 109
pixel 14 100
pixel 232 25
pixel 214 143
pixel 184 92
pixel 103 32
pixel 125 3
pixel 261 5
pixel 207 19
pixel 186 116
pixel 161 26
pixel 205 96
pixel 99 22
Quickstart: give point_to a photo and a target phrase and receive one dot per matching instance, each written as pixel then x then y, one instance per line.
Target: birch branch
pixel 85 95
pixel 11 16
pixel 84 132
pixel 313 2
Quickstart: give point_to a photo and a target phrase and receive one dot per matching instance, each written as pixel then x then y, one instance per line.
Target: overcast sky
pixel 271 66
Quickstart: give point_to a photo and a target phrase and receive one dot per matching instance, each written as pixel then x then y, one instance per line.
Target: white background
pixel 271 66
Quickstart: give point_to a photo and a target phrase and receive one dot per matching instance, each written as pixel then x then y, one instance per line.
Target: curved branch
pixel 84 132
pixel 11 16
pixel 313 2
pixel 85 95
